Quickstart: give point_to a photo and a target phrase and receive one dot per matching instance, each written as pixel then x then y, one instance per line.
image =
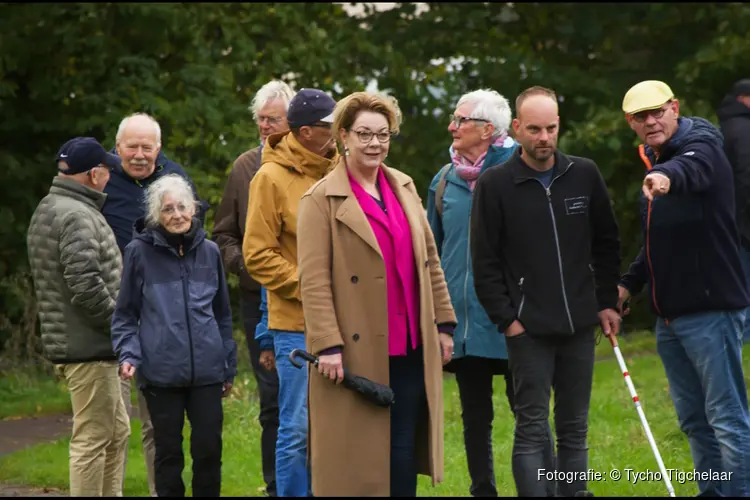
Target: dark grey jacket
pixel 76 268
pixel 735 126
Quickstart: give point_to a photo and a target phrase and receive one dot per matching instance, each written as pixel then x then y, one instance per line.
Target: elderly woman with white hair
pixel 172 329
pixel 479 127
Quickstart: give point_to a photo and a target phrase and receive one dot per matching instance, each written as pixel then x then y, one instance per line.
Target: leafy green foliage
pixel 79 68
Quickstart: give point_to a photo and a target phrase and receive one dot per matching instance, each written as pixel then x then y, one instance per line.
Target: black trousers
pixel 408 413
pixel 475 376
pixel 539 364
pixel 167 407
pixel 268 391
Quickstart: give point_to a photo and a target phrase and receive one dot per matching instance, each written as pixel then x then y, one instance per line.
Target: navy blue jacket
pixel 172 320
pixel 125 198
pixel 690 258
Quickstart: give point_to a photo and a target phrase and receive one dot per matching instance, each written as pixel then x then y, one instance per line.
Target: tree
pixel 78 69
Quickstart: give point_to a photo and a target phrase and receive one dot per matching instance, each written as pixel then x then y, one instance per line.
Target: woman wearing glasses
pixel 172 329
pixel 375 301
pixel 479 128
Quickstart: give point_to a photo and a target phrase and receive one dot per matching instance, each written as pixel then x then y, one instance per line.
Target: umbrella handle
pixel 301 353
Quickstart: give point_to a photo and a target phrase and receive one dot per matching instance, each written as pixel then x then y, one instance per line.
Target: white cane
pixel 629 383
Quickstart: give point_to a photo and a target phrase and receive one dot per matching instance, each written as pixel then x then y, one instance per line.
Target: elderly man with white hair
pixel 479 127
pixel 172 330
pixel 269 108
pixel 138 144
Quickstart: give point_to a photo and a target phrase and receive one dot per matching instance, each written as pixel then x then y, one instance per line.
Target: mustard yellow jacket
pixel 269 247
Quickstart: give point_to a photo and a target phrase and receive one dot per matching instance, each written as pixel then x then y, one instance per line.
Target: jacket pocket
pixel 203 284
pixel 210 355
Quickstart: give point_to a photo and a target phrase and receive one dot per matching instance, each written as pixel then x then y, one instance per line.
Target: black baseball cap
pixel 741 87
pixel 81 154
pixel 309 106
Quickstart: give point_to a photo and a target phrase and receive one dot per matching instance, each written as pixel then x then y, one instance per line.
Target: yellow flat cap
pixel 651 94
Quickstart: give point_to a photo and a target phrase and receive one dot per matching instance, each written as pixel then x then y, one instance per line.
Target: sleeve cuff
pixel 447 328
pixel 266 343
pixel 318 345
pixel 331 350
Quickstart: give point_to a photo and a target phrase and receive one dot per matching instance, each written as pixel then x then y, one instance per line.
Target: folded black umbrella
pixel 376 393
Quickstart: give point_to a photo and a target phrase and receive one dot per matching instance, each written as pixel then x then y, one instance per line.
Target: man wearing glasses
pixel 691 261
pixel 269 108
pixel 292 161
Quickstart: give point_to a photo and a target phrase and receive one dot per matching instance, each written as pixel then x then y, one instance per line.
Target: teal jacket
pixel 475 334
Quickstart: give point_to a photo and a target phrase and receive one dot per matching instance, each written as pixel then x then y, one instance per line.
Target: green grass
pixel 26 393
pixel 616 437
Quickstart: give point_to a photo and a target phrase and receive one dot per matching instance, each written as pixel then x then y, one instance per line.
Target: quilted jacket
pixel 76 268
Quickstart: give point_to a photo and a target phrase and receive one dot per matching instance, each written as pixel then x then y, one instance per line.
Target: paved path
pixel 8 490
pixel 18 434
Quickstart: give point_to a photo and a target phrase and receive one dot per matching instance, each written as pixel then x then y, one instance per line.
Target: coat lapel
pixel 349 212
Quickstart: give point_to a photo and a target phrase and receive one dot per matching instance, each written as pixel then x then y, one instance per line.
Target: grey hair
pixel 275 89
pixel 489 105
pixel 126 120
pixel 173 184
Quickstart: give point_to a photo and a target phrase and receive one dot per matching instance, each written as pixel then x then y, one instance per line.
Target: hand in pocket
pixel 515 329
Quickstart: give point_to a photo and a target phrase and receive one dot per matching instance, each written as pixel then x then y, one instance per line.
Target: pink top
pixel 393 233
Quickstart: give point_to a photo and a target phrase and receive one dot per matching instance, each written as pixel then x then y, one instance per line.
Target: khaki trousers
pixel 101 428
pixel 147 433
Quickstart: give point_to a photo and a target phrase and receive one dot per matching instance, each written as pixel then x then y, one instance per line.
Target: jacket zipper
pixel 642 153
pixel 466 283
pixel 557 244
pixel 523 298
pixel 183 275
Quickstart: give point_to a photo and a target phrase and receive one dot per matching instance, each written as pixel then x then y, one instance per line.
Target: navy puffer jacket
pixel 172 320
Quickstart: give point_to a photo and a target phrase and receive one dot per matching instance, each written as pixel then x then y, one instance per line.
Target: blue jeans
pixel 702 356
pixel 292 473
pixel 745 259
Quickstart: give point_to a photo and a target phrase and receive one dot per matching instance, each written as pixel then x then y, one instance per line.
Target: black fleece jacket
pixel 734 118
pixel 549 257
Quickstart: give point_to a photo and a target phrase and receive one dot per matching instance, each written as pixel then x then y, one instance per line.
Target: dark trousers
pixel 167 407
pixel 474 377
pixel 408 413
pixel 539 364
pixel 268 391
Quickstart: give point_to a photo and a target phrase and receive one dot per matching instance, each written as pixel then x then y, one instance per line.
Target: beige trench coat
pixel 342 282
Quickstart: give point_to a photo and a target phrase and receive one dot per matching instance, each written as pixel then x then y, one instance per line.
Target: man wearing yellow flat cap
pixel 691 263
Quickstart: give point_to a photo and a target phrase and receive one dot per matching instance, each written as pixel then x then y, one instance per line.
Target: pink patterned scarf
pixel 468 171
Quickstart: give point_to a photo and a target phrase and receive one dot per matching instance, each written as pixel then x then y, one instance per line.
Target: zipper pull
pixel 549 195
pixel 181 254
pixel 520 283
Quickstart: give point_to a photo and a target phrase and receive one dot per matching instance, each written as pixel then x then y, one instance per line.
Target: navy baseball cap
pixel 741 87
pixel 309 106
pixel 84 153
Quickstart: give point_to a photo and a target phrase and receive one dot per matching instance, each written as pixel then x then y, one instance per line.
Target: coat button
pixel 427 263
pixel 355 279
pixel 355 337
